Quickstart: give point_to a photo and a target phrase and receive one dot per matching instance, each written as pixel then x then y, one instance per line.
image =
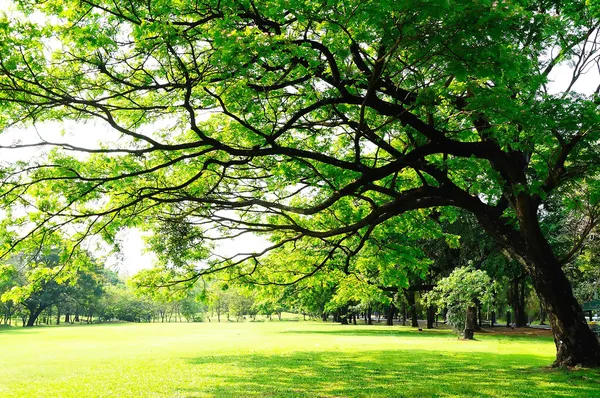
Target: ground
pixel 273 359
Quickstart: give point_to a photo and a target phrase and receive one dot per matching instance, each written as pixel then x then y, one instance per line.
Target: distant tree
pixel 8 280
pixel 460 293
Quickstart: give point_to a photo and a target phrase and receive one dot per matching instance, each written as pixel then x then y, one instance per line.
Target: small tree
pixel 460 293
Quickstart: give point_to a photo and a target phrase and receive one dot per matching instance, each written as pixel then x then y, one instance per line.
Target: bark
pixel 430 317
pixel 413 309
pixel 493 319
pixel 34 313
pixel 469 332
pixel 324 316
pixel 575 343
pixel 518 302
pixel 369 320
pixel 403 314
pixel 389 314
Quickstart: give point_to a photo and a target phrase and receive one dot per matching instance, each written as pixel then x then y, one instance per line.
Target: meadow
pixel 279 359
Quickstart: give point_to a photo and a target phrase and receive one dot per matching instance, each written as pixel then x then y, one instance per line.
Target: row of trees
pixel 51 282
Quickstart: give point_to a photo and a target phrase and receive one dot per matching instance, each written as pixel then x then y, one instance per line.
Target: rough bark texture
pixel 575 342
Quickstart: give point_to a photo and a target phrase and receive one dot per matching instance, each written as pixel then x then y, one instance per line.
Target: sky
pixel 133 257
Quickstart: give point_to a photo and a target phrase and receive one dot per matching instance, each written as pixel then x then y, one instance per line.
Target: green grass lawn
pixel 274 359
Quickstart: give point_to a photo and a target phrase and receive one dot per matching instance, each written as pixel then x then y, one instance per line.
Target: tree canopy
pixel 321 124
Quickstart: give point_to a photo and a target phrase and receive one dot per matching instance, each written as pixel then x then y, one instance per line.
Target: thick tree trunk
pixel 469 332
pixel 34 313
pixel 575 343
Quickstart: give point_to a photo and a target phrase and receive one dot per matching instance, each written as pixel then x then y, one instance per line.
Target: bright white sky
pixel 133 258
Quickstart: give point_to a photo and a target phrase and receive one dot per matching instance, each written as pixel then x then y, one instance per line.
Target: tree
pixel 8 280
pixel 49 276
pixel 461 293
pixel 317 121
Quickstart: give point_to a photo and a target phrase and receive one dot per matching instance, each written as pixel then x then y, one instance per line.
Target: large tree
pixel 314 120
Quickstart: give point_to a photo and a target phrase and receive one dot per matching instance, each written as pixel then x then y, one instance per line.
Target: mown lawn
pixel 272 359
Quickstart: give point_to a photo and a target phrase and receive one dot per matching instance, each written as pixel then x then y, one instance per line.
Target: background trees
pixel 461 293
pixel 321 129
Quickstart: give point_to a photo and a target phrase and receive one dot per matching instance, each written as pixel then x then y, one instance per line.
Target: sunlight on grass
pixel 278 359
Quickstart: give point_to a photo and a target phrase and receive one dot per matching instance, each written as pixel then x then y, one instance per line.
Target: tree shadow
pixel 384 330
pixel 7 329
pixel 390 373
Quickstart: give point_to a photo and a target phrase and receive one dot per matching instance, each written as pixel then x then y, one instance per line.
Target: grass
pixel 273 359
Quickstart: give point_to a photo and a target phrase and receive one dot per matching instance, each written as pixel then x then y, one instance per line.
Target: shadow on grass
pixel 8 329
pixel 376 331
pixel 11 329
pixel 391 373
pixel 410 332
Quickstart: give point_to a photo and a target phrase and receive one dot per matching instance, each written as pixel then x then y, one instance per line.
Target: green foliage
pixel 464 287
pixel 344 132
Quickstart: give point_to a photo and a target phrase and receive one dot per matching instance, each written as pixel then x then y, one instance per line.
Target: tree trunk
pixel 410 296
pixel 493 319
pixel 33 315
pixel 324 316
pixel 369 320
pixel 518 302
pixel 430 317
pixel 575 343
pixel 469 332
pixel 542 314
pixel 389 314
